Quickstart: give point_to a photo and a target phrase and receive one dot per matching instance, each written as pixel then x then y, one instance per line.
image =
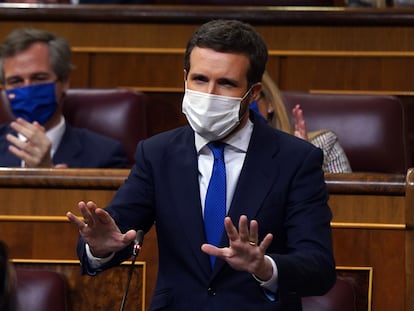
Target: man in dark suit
pixel 274 242
pixel 35 69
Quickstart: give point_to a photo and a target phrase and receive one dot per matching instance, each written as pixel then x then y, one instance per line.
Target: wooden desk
pixel 371 228
pixel 372 225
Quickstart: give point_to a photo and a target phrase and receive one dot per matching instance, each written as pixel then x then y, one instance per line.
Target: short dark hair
pixel 231 36
pixel 22 39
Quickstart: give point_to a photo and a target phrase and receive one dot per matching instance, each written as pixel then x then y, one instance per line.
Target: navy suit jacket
pixel 79 148
pixel 281 185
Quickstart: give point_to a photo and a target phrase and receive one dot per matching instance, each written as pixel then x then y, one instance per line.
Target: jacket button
pixel 211 291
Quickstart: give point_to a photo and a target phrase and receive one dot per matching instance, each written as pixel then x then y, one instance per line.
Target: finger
pixel 75 220
pixel 209 249
pixel 212 250
pixel 90 213
pixel 21 154
pixel 85 211
pixel 129 236
pixel 231 230
pixel 38 125
pixel 23 127
pixel 254 232
pixel 14 140
pixel 243 229
pixel 266 242
pixel 103 216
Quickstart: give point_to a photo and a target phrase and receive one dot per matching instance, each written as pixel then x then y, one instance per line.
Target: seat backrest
pixel 341 297
pixel 371 128
pixel 117 113
pixel 41 290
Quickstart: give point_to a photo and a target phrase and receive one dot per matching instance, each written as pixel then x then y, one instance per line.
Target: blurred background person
pixel 271 109
pixel 35 68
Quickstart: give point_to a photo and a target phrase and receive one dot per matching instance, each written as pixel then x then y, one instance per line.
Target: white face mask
pixel 212 116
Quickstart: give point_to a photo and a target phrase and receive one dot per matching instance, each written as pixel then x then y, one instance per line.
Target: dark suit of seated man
pixel 240 208
pixel 35 69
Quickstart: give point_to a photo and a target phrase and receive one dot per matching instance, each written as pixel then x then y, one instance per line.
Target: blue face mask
pixel 253 107
pixel 33 103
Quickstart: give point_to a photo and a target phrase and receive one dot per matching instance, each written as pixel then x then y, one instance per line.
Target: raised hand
pixel 244 253
pixel 99 230
pixel 34 150
pixel 300 124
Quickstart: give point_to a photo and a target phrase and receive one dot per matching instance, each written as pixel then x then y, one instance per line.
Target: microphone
pixel 139 239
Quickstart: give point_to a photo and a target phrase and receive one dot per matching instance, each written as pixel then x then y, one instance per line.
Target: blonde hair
pixel 271 94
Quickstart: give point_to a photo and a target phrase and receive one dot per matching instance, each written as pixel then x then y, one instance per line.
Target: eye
pixel 199 79
pixel 14 82
pixel 227 83
pixel 38 79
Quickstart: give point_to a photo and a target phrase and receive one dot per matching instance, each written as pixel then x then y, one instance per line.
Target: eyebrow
pixel 194 76
pixel 228 81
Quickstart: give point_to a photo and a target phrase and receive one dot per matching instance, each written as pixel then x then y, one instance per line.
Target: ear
pixel 65 84
pixel 185 75
pixel 255 91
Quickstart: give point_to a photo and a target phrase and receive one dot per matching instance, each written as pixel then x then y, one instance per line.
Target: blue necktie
pixel 215 204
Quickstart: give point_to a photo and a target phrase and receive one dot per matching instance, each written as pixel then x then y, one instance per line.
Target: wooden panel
pixel 81 76
pixel 384 251
pixel 23 201
pixel 374 209
pixel 292 36
pixel 39 239
pixel 107 34
pixel 341 73
pixel 137 70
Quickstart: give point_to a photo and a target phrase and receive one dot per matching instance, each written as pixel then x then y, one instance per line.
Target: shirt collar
pixel 239 140
pixel 55 134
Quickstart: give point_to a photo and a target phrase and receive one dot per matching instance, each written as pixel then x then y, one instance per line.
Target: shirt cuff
pixel 271 284
pixel 96 262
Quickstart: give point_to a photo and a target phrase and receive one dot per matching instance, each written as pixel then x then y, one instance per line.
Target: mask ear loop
pixel 242 100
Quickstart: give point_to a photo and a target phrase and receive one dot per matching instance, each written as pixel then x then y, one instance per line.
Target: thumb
pixel 129 236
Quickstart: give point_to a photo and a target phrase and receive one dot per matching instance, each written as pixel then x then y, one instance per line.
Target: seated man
pixel 35 69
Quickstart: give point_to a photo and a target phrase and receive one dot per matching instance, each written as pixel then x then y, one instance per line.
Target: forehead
pixel 219 64
pixel 32 60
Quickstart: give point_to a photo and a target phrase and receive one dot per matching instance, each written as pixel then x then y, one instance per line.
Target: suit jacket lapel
pixel 189 213
pixel 68 148
pixel 258 174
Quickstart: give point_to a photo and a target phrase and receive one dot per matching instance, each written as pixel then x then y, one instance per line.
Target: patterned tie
pixel 215 205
